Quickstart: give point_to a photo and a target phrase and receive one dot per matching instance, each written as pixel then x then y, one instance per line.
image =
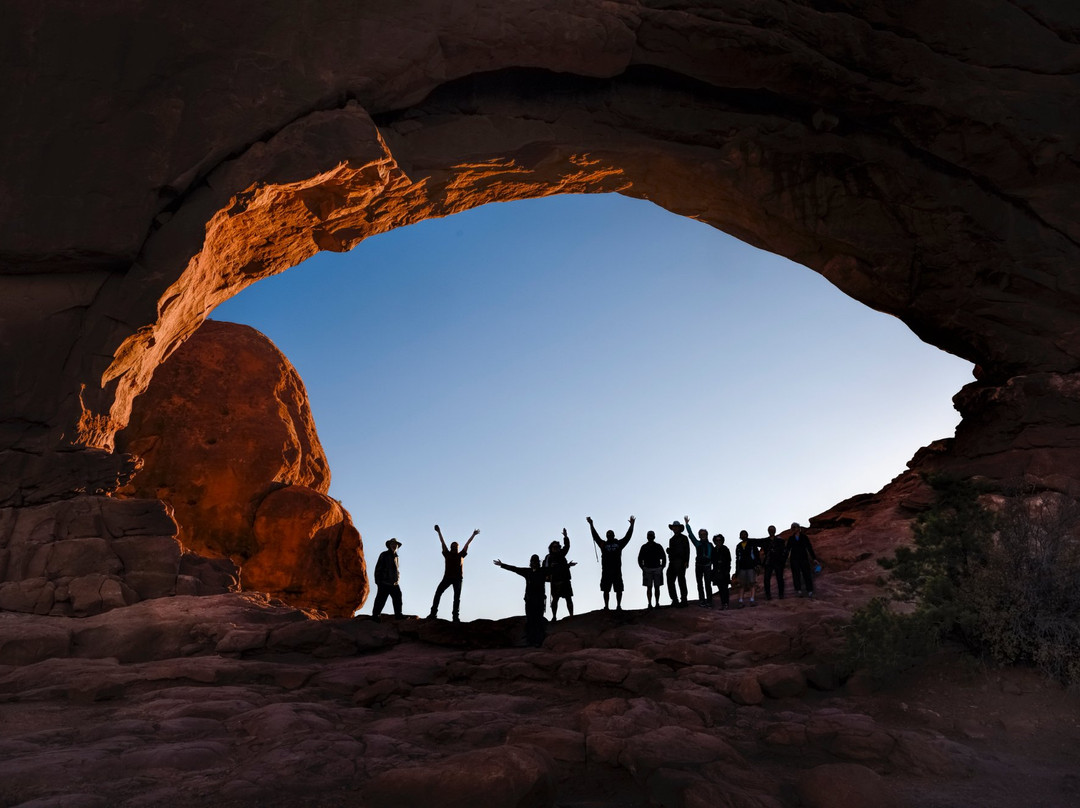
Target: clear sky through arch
pixel 521 366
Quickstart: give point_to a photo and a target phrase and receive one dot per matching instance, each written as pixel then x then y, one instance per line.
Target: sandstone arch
pixel 923 161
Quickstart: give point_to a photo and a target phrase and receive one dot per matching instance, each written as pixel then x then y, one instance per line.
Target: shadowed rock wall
pixel 920 156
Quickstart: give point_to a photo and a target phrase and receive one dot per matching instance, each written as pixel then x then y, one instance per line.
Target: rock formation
pixel 234 701
pixel 922 159
pixel 87 555
pixel 226 437
pixel 161 157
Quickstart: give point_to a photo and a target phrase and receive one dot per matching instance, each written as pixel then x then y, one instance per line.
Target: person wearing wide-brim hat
pixel 678 552
pixel 387 578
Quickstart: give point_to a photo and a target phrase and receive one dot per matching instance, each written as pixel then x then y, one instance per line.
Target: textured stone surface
pixel 87 555
pixel 225 421
pixel 920 157
pixel 225 436
pixel 232 699
pixel 845 785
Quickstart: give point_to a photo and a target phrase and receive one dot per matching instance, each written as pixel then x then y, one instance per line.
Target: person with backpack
pixel 558 570
pixel 387 579
pixel 652 560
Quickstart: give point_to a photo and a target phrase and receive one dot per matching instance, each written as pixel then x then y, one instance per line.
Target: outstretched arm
pixel 475 533
pixel 441 541
pixel 519 570
pixel 565 541
pixel 595 535
pixel 629 533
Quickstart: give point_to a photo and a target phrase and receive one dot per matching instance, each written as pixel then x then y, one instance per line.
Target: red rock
pixel 747 691
pixel 225 421
pixel 845 785
pixel 226 437
pixel 501 777
pixel 782 682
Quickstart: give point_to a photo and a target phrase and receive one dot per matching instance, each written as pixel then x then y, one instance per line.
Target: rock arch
pixel 923 161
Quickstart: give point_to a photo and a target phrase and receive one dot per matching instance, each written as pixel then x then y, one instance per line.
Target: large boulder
pixel 226 437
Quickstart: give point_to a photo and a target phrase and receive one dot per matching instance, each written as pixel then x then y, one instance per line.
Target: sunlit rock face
pixel 226 437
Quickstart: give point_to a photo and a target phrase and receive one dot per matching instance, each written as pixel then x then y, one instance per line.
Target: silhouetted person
pixel 452 575
pixel 775 557
pixel 387 578
pixel 678 556
pixel 747 559
pixel 611 561
pixel 652 560
pixel 535 598
pixel 558 569
pixel 702 563
pixel 722 569
pixel 801 553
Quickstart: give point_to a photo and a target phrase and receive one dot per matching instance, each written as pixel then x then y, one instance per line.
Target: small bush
pixel 885 643
pixel 1021 604
pixel 1007 585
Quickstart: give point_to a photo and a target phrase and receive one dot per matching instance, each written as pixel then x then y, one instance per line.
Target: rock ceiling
pixel 923 159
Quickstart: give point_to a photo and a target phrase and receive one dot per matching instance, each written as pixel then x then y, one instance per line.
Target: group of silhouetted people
pixel 712 571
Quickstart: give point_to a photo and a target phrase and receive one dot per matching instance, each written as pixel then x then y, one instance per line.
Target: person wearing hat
pixel 678 553
pixel 387 577
pixel 611 561
pixel 453 558
pixel 558 569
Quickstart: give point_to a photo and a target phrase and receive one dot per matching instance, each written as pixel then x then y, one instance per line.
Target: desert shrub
pixel 884 642
pixel 1006 585
pixel 1021 603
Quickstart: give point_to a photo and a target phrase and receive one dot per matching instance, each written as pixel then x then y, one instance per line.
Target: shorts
pixel 611 580
pixel 562 589
pixel 652 576
pixel 747 577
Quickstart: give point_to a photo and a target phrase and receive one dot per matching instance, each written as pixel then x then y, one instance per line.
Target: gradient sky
pixel 521 366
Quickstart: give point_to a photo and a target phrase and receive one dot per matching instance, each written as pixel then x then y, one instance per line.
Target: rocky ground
pixel 234 700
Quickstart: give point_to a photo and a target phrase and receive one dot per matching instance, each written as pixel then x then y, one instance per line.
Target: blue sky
pixel 521 366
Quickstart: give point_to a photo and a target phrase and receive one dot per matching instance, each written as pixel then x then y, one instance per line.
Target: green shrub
pixel 1005 585
pixel 884 643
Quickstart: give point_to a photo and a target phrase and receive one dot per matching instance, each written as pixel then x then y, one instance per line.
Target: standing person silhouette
pixel 652 561
pixel 801 552
pixel 535 598
pixel 702 564
pixel 611 561
pixel 775 556
pixel 387 577
pixel 678 554
pixel 722 569
pixel 558 569
pixel 452 574
pixel 747 559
